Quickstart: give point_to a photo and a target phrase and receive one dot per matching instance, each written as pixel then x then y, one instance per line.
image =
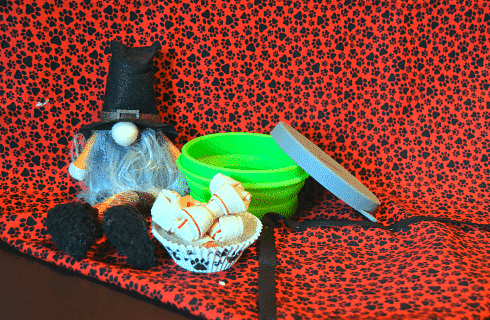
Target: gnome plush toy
pixel 125 160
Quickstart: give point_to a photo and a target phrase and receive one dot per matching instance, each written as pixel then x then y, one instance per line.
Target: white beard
pixel 145 166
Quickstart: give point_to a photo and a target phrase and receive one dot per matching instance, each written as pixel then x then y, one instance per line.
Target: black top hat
pixel 130 95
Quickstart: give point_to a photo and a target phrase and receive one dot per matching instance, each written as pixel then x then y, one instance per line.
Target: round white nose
pixel 124 133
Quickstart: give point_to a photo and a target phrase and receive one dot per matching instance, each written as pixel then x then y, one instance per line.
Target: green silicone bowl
pixel 271 177
pixel 245 157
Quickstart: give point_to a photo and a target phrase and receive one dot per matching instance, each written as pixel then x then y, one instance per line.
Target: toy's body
pixel 125 160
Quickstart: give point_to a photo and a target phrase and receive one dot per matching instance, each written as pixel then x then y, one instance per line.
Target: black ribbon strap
pixel 267 268
pixel 304 225
pixel 405 222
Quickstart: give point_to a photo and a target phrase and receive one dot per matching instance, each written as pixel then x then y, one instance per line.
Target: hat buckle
pixel 127 114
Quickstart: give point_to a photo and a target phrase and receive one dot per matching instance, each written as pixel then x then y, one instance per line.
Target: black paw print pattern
pixel 199 264
pixel 395 91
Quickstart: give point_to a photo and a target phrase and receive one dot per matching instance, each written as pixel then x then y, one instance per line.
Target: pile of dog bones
pixel 204 224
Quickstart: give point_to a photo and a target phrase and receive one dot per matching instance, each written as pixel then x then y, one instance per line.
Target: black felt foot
pixel 127 230
pixel 73 227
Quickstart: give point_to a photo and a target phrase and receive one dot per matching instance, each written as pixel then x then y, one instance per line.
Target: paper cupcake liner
pixel 207 260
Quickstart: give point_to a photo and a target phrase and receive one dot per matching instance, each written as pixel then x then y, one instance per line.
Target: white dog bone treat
pixel 172 224
pixel 215 207
pixel 165 208
pixel 193 223
pixel 228 201
pixel 220 179
pixel 227 228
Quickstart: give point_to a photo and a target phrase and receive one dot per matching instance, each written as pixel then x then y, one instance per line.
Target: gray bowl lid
pixel 325 170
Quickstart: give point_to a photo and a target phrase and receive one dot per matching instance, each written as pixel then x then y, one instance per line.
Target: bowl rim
pixel 189 144
pixel 248 185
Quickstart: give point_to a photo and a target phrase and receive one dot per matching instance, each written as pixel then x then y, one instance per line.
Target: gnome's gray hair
pixel 146 166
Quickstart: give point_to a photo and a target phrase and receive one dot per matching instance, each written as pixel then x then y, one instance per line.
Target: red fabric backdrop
pixel 396 91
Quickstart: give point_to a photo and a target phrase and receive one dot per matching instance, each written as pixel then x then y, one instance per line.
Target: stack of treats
pixel 204 224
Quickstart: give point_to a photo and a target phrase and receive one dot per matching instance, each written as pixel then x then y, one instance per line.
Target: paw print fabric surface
pixel 396 91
